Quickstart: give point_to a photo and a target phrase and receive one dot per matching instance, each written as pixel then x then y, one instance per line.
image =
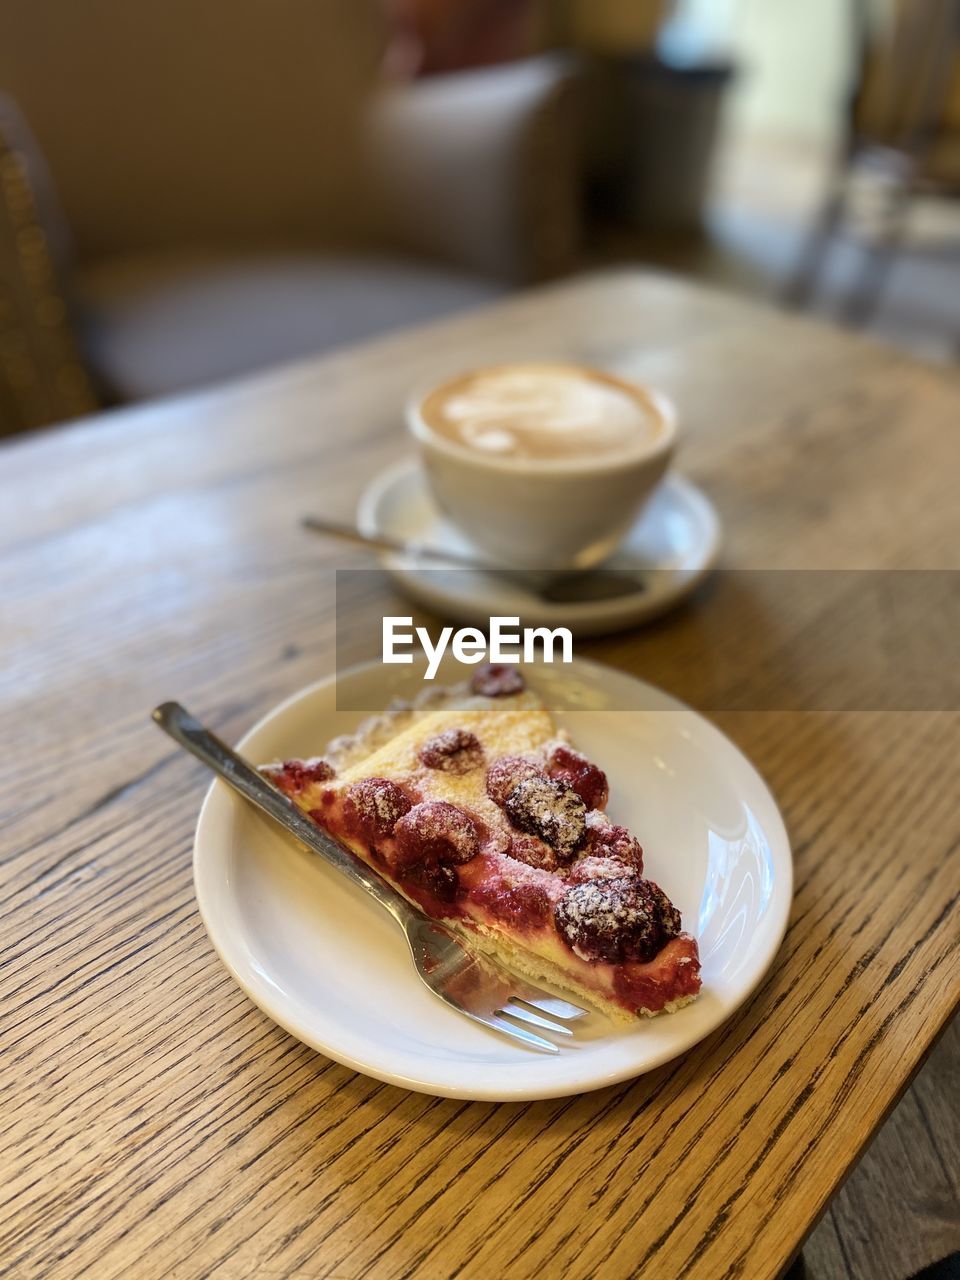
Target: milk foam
pixel 540 411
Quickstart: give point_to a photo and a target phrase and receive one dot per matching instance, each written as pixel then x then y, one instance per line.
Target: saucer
pixel 671 547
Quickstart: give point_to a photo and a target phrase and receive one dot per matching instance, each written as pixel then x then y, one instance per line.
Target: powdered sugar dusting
pixel 616 920
pixel 592 868
pixel 437 831
pixel 452 751
pixel 608 840
pixel 504 774
pixel 375 804
pixel 550 810
pixel 533 852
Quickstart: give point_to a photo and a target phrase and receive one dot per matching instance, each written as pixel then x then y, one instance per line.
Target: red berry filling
pixel 494 681
pixel 589 782
pixel 439 879
pixel 453 751
pixel 435 832
pixel 649 989
pixel 606 840
pixel 533 852
pixel 294 776
pixel 504 774
pixel 373 806
pixel 524 906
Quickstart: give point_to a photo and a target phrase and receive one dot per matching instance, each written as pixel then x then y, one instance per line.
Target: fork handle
pixel 239 774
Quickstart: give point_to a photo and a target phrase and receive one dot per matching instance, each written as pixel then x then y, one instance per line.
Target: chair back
pixel 195 121
pixel 908 93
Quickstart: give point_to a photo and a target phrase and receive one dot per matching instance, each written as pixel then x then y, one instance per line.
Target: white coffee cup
pixel 548 513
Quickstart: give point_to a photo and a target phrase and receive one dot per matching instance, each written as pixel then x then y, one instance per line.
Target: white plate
pixel 674 543
pixel 329 965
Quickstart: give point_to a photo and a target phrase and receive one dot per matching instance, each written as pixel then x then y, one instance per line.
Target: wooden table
pixel 155 1123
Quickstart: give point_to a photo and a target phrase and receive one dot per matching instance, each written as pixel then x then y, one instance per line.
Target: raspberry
pixel 453 751
pixel 436 832
pixel 589 782
pixel 438 878
pixel 545 808
pixel 616 920
pixel 606 840
pixel 373 806
pixel 294 776
pixel 493 681
pixel 504 774
pixel 533 852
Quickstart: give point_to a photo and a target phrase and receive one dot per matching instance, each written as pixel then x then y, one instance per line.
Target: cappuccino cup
pixel 544 466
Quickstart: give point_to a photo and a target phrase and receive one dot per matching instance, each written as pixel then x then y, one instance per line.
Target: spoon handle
pixel 381 542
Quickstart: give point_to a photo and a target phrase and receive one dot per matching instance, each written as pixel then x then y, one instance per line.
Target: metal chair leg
pixel 861 301
pixel 802 284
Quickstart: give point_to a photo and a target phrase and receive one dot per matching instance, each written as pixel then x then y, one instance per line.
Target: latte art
pixel 541 411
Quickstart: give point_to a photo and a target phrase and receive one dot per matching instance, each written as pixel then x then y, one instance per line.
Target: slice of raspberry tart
pixel 474 805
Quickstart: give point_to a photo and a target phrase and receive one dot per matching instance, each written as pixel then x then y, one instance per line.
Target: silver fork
pixel 476 986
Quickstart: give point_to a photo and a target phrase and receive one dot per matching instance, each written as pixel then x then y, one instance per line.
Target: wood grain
pixel 155 1122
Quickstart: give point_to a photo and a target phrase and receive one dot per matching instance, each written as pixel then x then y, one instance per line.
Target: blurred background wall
pixel 796 63
pixel 191 192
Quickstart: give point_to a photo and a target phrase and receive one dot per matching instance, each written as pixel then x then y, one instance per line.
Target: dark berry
pixel 504 774
pixel 453 751
pixel 436 832
pixel 548 809
pixel 616 920
pixel 373 806
pixel 493 681
pixel 589 782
